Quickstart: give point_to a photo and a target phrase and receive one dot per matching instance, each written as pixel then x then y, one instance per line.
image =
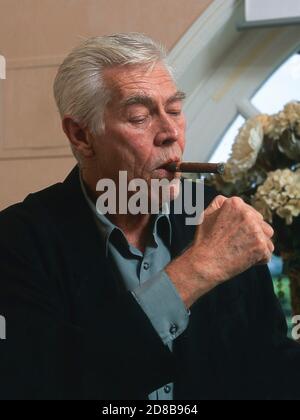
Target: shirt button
pixel 173 329
pixel 146 266
pixel 167 389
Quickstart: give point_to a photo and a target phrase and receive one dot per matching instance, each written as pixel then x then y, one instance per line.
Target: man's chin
pixel 164 191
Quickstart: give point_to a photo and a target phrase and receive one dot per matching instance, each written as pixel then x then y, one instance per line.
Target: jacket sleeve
pixel 46 356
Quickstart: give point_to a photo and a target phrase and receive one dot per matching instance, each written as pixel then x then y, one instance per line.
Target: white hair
pixel 79 87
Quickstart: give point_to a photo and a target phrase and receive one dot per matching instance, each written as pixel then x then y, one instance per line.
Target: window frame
pixel 221 69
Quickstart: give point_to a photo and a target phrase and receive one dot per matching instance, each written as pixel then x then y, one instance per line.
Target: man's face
pixel 144 124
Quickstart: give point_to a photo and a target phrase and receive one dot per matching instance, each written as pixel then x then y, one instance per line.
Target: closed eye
pixel 175 112
pixel 138 120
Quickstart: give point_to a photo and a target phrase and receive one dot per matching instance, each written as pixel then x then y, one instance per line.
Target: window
pixel 222 70
pixel 282 87
pixel 222 153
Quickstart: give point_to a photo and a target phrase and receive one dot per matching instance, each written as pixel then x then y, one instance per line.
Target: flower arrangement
pixel 280 193
pixel 264 169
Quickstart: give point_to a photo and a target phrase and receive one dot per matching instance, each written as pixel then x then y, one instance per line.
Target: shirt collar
pixel 106 227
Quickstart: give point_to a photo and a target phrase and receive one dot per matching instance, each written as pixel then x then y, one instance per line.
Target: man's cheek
pixel 182 143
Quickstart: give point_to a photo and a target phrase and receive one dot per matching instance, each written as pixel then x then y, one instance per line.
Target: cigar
pixel 195 167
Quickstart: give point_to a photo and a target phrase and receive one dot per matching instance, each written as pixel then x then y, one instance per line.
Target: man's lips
pixel 167 163
pixel 163 171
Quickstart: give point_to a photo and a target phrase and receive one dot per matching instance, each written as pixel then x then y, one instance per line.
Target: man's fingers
pixel 271 247
pixel 268 230
pixel 268 257
pixel 216 204
pixel 255 212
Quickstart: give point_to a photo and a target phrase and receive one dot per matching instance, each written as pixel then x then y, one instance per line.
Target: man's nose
pixel 168 131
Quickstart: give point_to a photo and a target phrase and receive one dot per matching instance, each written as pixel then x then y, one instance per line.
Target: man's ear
pixel 79 137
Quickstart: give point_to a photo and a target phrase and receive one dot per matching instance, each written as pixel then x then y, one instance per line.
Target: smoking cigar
pixel 195 167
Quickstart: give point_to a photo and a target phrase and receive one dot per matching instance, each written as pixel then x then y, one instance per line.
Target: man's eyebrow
pixel 178 96
pixel 138 100
pixel 148 102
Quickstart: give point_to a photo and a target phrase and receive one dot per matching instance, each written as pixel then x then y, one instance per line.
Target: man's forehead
pixel 129 81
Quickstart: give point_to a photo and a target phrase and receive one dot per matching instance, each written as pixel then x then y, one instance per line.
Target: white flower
pixel 288 118
pixel 292 112
pixel 245 150
pixel 279 194
pixel 276 126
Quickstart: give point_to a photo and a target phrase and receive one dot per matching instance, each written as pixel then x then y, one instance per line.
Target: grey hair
pixel 79 87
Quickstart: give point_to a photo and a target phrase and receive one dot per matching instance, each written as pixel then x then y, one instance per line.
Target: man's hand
pixel 232 238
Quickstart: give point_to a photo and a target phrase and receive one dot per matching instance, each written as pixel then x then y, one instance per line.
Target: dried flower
pixel 245 150
pixel 279 194
pixel 266 143
pixel 286 119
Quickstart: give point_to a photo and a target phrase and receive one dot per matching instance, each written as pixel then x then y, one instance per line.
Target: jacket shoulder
pixel 22 222
pixel 31 203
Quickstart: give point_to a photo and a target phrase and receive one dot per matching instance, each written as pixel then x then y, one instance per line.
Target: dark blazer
pixel 73 332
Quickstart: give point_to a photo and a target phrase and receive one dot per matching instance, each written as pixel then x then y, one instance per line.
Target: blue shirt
pixel 143 275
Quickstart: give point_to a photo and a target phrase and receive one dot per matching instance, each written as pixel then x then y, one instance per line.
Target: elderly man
pixel 134 306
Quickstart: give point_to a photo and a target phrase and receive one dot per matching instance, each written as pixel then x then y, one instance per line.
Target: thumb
pixel 215 205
